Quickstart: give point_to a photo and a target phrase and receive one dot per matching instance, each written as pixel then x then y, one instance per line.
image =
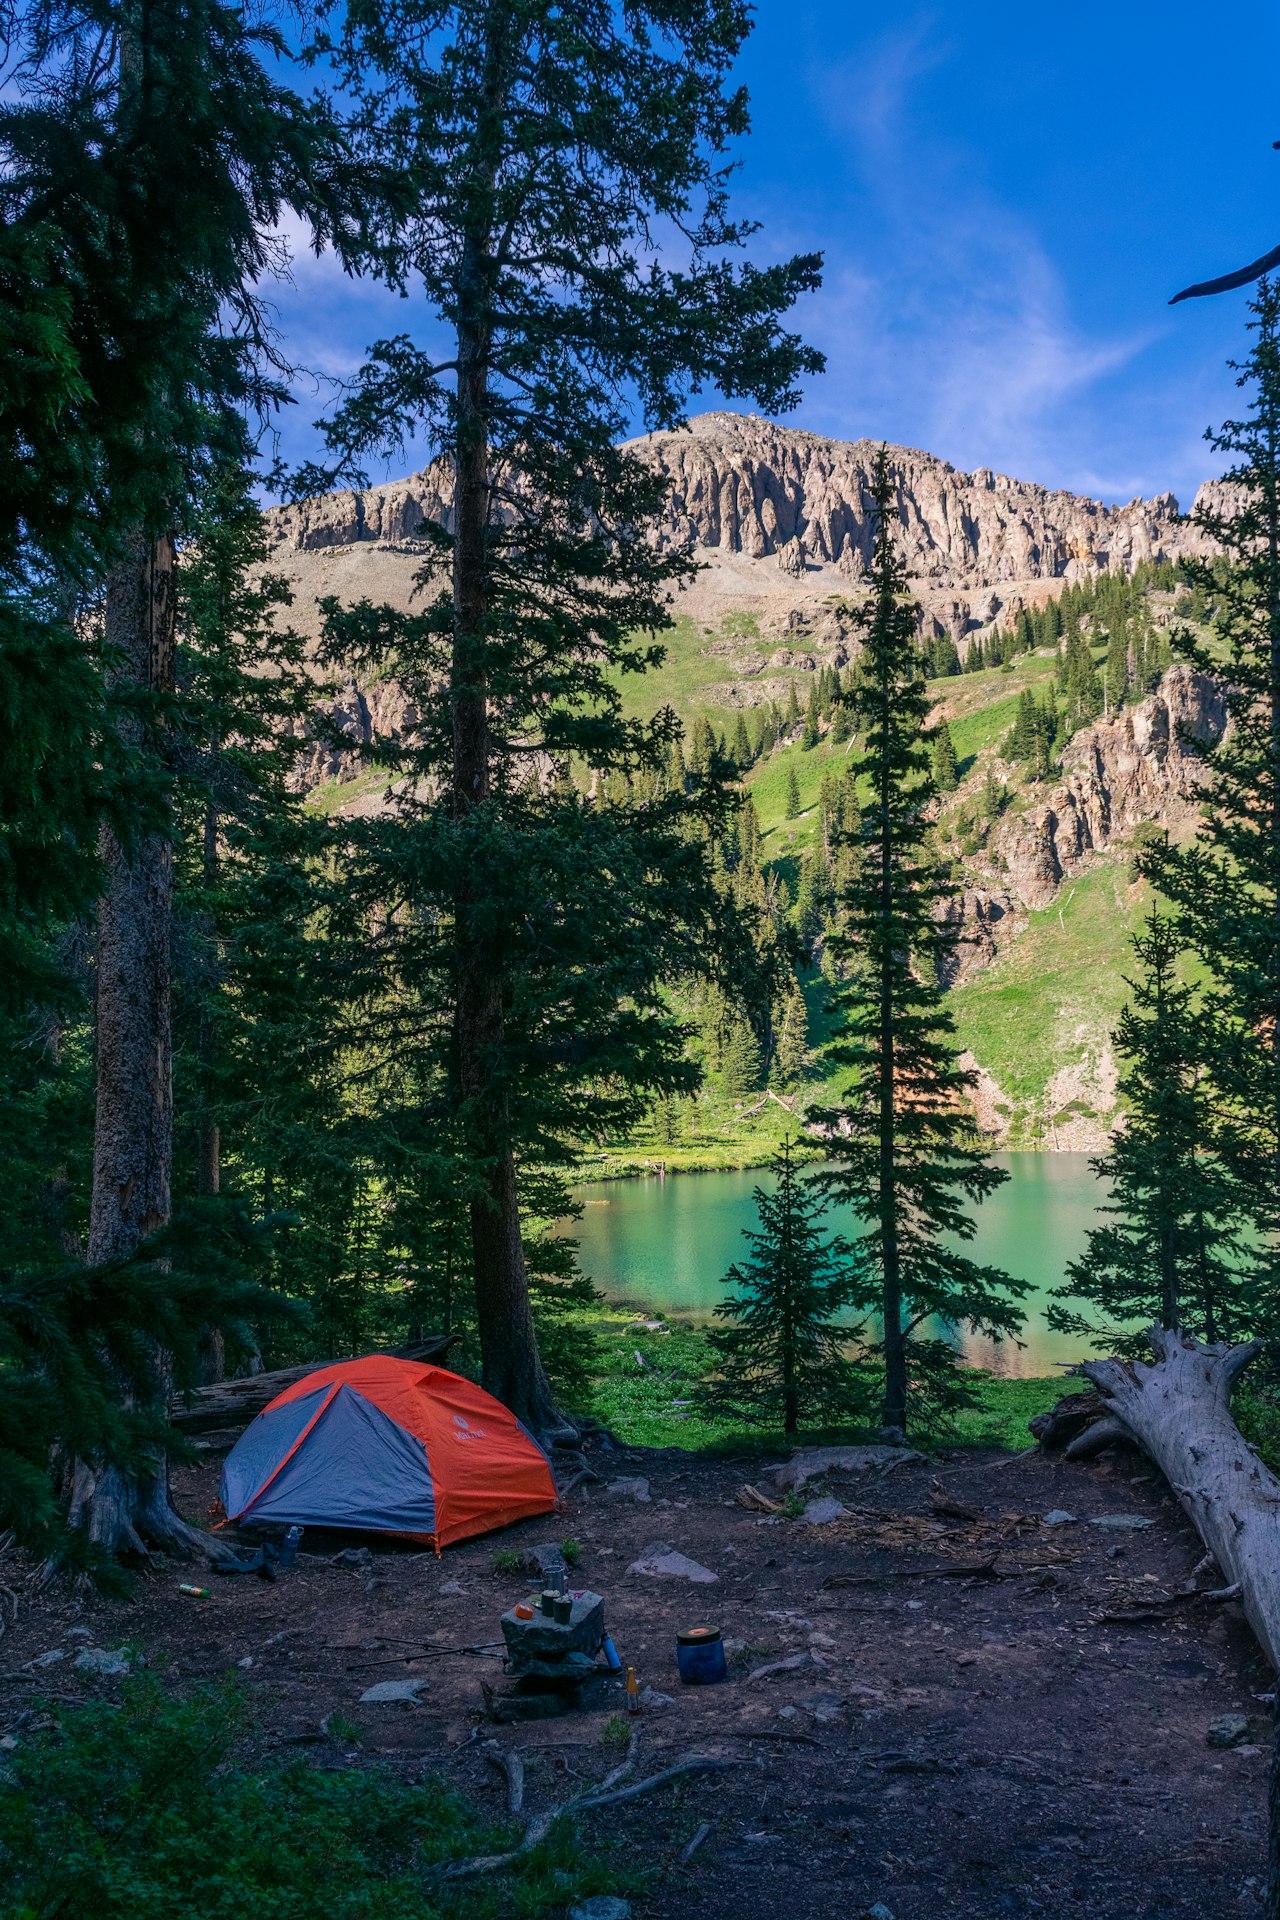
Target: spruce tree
pixel 812 732
pixel 742 754
pixel 813 897
pixel 1022 739
pixel 791 1041
pixel 1116 669
pixel 1225 886
pixel 946 771
pixel 546 148
pixel 908 1162
pixel 792 792
pixel 781 1354
pixel 740 1059
pixel 1171 1251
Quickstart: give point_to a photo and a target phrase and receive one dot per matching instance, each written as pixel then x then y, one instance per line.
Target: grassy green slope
pixel 1050 1000
pixel 1038 1019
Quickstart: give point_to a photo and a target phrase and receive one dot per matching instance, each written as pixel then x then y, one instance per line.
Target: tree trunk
pixel 895 1346
pixel 510 1365
pixel 1179 1410
pixel 133 1116
pixel 213 1349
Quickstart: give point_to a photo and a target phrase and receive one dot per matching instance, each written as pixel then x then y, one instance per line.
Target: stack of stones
pixel 556 1654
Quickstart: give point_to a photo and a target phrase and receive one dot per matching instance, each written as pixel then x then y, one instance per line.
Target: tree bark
pixel 133 1116
pixel 213 1354
pixel 133 1119
pixel 1179 1411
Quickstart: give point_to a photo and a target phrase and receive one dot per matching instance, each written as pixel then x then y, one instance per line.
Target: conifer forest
pixel 639 1022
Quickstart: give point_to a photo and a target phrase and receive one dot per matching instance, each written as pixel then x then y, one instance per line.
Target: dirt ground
pixel 1029 1739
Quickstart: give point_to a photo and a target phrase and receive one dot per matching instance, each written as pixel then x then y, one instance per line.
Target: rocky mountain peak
pixel 748 489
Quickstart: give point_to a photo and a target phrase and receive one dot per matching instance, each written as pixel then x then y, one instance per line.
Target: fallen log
pixel 234 1403
pixel 1179 1411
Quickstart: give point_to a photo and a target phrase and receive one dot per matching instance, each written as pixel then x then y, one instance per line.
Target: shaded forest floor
pixel 1028 1739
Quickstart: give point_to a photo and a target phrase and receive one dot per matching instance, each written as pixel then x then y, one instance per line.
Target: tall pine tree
pixel 907 1159
pixel 1225 886
pixel 1170 1249
pixel 547 145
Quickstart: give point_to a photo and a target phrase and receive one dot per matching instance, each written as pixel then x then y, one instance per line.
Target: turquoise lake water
pixel 665 1244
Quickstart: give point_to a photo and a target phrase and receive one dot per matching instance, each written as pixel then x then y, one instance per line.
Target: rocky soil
pixel 949 1699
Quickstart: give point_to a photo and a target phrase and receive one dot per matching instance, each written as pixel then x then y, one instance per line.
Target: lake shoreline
pixel 631 1166
pixel 662 1247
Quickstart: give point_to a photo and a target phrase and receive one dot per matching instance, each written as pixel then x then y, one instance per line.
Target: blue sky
pixel 1006 198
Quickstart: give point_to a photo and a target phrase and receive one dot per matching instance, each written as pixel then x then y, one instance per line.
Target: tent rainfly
pixel 382 1445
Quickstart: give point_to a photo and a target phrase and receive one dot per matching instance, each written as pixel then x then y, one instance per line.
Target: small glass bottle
pixel 633 1691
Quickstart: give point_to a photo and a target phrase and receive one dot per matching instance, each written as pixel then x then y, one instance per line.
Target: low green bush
pixel 153 1807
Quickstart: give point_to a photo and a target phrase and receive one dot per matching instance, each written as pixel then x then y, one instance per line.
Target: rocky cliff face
pixel 740 484
pixel 746 487
pixel 1116 774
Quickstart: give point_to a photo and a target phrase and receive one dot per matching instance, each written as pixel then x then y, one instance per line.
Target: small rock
pixel 819 1513
pixel 78 1633
pixel 99 1660
pixel 1058 1517
pixel 246 1663
pixel 879 1912
pixel 787 1713
pixel 359 1559
pixel 651 1698
pixel 1228 1730
pixel 770 1520
pixel 450 1589
pixel 915 1606
pixel 8 1744
pixel 662 1562
pixel 825 1708
pixel 49 1659
pixel 633 1489
pixel 602 1906
pixel 1123 1522
pixel 388 1692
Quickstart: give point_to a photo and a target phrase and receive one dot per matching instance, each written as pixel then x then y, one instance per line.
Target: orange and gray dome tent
pixel 387 1446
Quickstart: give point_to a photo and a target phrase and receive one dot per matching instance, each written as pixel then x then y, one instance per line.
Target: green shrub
pixel 149 1808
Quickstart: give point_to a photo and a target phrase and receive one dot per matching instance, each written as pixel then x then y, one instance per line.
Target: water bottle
pixel 289 1547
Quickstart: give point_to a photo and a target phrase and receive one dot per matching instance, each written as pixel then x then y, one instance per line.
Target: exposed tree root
pixel 128 1515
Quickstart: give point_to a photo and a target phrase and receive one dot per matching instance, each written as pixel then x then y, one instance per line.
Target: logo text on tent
pixel 465 1430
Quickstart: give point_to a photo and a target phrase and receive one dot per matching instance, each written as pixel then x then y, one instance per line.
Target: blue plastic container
pixel 700 1656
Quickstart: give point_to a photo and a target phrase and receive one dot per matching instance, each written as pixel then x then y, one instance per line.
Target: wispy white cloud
pixel 944 320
